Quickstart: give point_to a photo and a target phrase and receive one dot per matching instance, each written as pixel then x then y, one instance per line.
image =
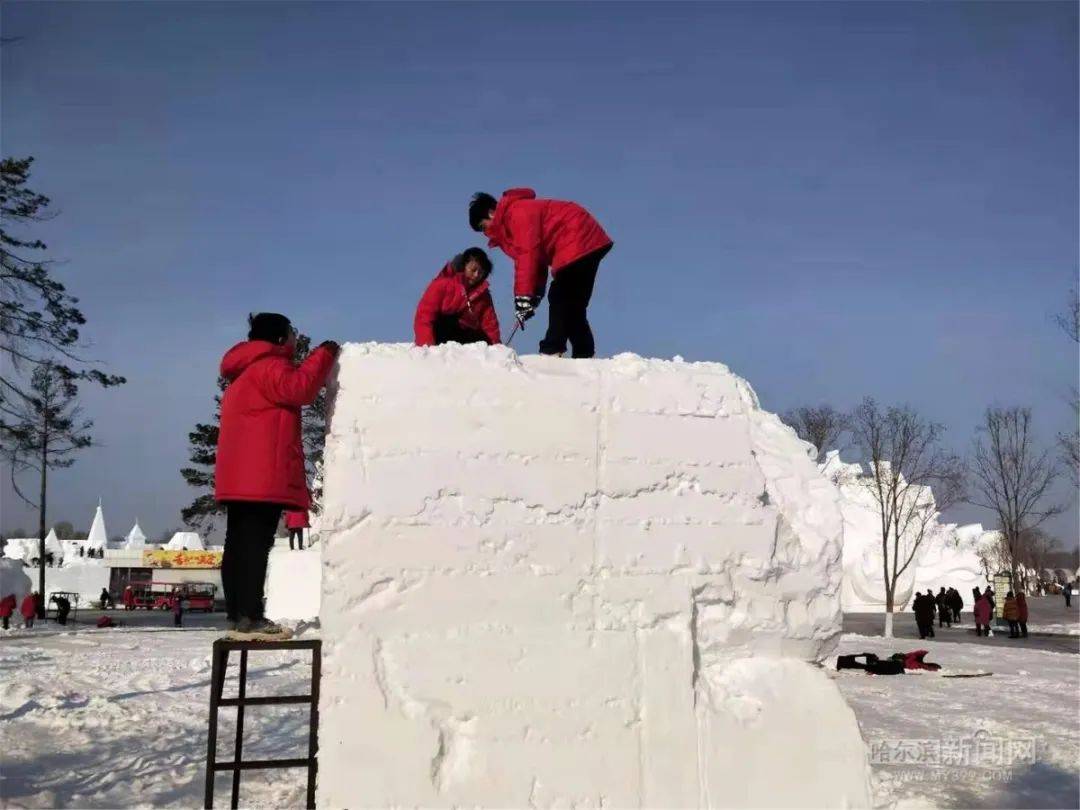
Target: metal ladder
pixel 222 648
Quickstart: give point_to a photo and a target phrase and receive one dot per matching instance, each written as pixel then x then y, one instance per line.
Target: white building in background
pixel 948 555
pixel 185 541
pixel 98 539
pixel 136 540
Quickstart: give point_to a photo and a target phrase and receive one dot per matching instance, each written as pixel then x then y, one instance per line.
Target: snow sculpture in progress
pixel 552 582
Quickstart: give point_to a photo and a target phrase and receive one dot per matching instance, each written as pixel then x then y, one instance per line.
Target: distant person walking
pixel 1022 613
pixel 1011 614
pixel 128 597
pixel 260 459
pixel 944 610
pixel 1067 593
pixel 540 235
pixel 924 613
pixel 7 608
pixel 956 604
pixel 28 609
pixel 177 606
pixel 106 600
pixel 983 611
pixel 296 520
pixel 63 608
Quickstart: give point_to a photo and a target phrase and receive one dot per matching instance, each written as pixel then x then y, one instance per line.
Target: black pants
pixel 956 615
pixel 568 299
pixel 1014 629
pixel 1023 629
pixel 299 535
pixel 448 329
pixel 177 619
pixel 249 536
pixel 1068 600
pixel 7 620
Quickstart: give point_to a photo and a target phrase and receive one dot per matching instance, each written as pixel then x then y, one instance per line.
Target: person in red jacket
pixel 456 306
pixel 260 458
pixel 28 609
pixel 541 234
pixel 296 520
pixel 7 608
pixel 1022 613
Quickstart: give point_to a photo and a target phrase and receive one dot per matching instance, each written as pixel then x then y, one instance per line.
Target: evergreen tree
pixel 202 512
pixel 39 319
pixel 44 432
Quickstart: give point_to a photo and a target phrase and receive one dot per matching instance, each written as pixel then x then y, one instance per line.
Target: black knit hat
pixel 269 326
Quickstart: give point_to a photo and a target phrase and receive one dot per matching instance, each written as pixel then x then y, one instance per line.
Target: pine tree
pixel 203 511
pixel 39 319
pixel 45 431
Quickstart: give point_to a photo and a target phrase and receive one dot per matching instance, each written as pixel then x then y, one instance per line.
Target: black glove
pixel 332 346
pixel 525 307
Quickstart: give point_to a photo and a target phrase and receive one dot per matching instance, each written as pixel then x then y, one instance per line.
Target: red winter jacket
pixel 28 607
pixel 538 234
pixel 982 610
pixel 446 295
pixel 259 455
pixel 7 605
pixel 296 519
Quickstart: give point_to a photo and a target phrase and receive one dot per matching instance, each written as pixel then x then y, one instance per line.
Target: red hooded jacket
pixel 982 610
pixel 446 295
pixel 296 519
pixel 7 605
pixel 259 455
pixel 538 234
pixel 1021 608
pixel 28 607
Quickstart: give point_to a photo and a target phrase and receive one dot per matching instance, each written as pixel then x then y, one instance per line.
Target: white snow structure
pixel 98 539
pixel 185 541
pixel 293 582
pixel 947 556
pixel 14 580
pixel 575 583
pixel 135 538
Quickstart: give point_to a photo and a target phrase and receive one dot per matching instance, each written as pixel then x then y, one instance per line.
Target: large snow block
pixel 293 583
pixel 553 582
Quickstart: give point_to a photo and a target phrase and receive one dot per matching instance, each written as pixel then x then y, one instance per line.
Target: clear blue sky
pixel 833 199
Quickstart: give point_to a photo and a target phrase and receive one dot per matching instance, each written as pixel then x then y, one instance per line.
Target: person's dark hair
pixel 269 326
pixel 480 207
pixel 476 254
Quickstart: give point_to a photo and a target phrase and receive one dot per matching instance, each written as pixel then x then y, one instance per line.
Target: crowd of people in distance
pixel 947 604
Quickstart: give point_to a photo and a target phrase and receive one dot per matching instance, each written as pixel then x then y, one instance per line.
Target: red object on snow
pixel 447 295
pixel 105 621
pixel 914 660
pixel 259 455
pixel 297 519
pixel 7 605
pixel 538 234
pixel 28 607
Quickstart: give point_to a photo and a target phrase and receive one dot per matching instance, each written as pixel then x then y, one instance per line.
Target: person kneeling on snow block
pixel 457 306
pixel 260 459
pixel 542 234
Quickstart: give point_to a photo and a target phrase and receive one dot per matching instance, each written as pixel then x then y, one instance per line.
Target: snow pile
pixel 948 556
pixel 576 583
pixel 293 579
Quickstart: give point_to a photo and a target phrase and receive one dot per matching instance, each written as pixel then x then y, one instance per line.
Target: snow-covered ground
pixel 117 718
pixel 1008 740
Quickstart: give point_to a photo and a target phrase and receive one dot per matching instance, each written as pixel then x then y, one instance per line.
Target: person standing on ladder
pixel 260 459
pixel 543 234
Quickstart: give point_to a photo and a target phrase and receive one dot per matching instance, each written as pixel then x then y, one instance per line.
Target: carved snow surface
pixel 591 583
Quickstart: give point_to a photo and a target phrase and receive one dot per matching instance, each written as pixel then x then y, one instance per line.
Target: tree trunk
pixel 41 531
pixel 888 613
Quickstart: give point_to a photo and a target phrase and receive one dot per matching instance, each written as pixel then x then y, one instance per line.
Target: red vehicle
pixel 158 595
